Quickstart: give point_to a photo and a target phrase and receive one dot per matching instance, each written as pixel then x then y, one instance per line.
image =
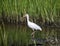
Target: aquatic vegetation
pixel 22 36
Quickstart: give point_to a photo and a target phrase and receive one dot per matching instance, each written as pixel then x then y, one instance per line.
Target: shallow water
pixel 20 35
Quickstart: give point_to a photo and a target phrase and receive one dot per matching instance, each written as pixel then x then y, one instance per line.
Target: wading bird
pixel 32 25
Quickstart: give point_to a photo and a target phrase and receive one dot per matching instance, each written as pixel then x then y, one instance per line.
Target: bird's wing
pixel 34 26
pixel 31 25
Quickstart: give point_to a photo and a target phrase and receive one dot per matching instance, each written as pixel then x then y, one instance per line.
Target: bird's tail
pixel 40 29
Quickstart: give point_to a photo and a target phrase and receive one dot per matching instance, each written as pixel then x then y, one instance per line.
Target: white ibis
pixel 32 25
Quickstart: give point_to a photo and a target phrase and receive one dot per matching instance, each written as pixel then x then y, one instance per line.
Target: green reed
pixel 47 9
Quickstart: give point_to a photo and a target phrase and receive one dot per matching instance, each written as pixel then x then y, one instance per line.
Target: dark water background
pixel 20 35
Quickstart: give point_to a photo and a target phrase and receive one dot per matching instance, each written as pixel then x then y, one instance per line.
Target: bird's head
pixel 26 15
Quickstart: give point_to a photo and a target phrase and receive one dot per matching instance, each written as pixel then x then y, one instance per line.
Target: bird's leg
pixel 33 33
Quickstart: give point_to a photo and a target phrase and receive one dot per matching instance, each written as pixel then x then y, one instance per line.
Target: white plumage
pixel 32 25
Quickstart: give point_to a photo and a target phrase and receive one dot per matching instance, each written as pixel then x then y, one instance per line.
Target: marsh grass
pixel 47 9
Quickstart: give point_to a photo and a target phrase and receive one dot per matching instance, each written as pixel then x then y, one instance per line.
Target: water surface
pixel 20 35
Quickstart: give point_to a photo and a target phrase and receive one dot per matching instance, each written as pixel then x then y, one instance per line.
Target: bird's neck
pixel 27 19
